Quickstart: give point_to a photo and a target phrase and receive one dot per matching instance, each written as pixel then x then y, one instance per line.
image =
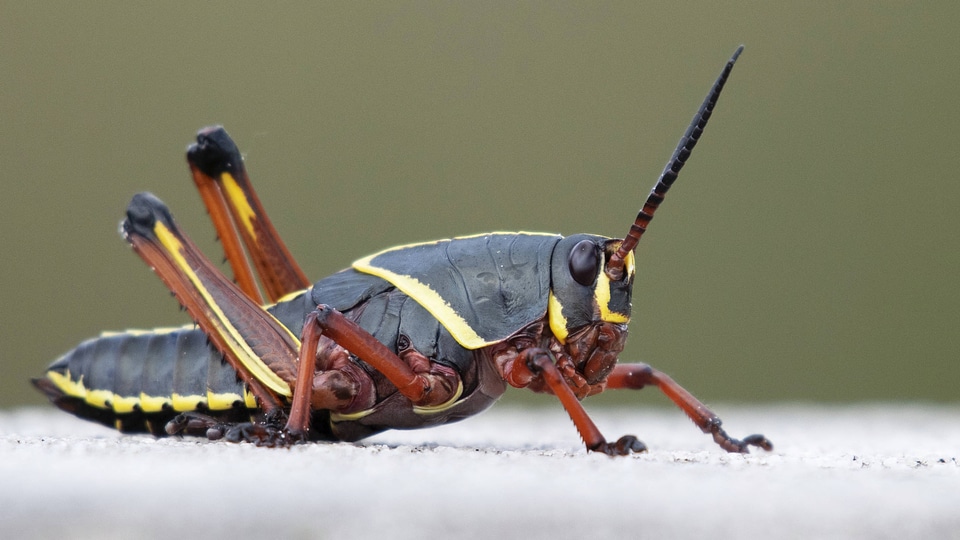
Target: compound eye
pixel 585 262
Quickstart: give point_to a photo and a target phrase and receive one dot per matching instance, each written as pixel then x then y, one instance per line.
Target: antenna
pixel 614 267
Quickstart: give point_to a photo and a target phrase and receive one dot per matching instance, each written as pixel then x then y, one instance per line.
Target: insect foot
pixel 268 431
pixel 730 444
pixel 263 434
pixel 626 445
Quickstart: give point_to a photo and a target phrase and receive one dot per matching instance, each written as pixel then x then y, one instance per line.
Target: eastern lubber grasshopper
pixel 410 337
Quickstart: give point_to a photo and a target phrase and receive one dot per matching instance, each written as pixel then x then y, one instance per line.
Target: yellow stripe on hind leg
pixel 242 350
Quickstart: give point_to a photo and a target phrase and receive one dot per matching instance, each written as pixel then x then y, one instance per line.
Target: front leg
pixel 636 376
pixel 534 366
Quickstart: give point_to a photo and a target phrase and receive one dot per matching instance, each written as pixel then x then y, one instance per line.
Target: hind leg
pixel 261 350
pixel 235 210
pixel 264 353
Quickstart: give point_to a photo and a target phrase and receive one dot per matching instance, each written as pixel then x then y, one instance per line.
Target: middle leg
pixel 340 383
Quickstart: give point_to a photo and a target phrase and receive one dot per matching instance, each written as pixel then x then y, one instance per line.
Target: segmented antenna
pixel 670 172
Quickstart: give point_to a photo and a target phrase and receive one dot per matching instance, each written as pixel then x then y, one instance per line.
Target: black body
pixel 179 363
pixel 441 327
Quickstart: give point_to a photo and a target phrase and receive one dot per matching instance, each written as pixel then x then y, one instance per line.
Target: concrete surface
pixel 871 471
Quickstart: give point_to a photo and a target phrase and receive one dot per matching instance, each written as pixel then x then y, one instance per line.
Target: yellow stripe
pixel 102 399
pixel 222 402
pixel 467 237
pixel 99 398
pixel 434 409
pixel 124 405
pixel 344 417
pixel 67 385
pixel 495 233
pixel 151 404
pixel 145 332
pixel 185 403
pixel 246 355
pixel 602 293
pixel 558 323
pixel 105 399
pixel 430 300
pixel 287 297
pixel 427 410
pixel 249 399
pixel 458 327
pixel 236 195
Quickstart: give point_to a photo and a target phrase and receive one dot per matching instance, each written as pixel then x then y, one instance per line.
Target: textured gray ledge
pixel 878 471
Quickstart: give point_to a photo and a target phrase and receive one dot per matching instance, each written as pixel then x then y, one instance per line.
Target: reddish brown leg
pixel 223 183
pixel 536 362
pixel 220 216
pixel 259 347
pixel 636 376
pixel 358 341
pixel 424 388
pixel 298 422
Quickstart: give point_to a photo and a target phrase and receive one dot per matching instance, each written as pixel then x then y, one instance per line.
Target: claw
pixel 626 445
pixel 191 423
pixel 176 426
pixel 266 432
pixel 759 441
pixel 732 445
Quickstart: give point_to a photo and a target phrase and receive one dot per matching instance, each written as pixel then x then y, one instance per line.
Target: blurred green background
pixel 809 251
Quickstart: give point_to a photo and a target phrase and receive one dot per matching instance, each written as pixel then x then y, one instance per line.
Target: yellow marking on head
pixel 434 409
pixel 185 403
pixel 236 195
pixel 558 323
pixel 602 293
pixel 244 352
pixel 630 265
pixel 430 300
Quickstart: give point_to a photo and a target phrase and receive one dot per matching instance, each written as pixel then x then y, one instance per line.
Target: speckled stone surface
pixel 864 471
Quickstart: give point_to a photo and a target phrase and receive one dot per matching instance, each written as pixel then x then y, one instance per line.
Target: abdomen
pixel 136 381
